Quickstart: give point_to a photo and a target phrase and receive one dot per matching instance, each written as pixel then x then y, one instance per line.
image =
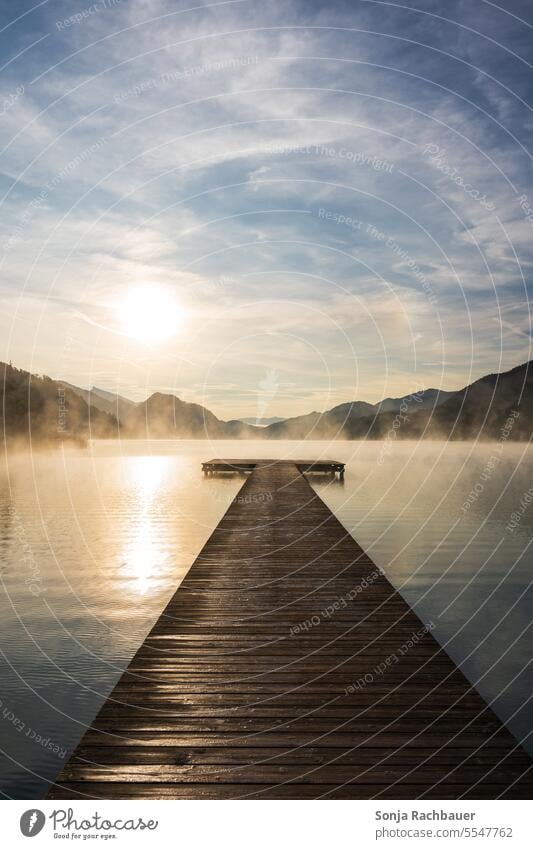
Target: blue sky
pixel 337 197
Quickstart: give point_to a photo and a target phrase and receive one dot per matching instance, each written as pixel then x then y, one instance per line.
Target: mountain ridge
pixel 39 408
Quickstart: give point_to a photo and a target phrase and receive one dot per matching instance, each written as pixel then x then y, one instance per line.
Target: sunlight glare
pixel 149 313
pixel 145 555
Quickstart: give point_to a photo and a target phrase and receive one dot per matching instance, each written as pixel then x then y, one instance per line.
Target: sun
pixel 149 313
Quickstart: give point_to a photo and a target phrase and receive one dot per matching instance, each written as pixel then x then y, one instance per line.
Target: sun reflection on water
pixel 145 556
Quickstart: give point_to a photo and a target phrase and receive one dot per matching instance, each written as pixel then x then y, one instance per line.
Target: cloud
pixel 197 149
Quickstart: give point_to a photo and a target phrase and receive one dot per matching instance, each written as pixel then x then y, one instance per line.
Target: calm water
pixel 93 544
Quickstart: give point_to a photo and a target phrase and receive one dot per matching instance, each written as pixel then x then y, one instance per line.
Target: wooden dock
pixel 286 666
pixel 323 467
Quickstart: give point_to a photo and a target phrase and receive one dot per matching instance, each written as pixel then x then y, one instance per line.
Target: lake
pixel 94 542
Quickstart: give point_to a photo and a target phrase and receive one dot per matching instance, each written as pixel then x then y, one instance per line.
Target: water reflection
pixel 145 556
pixel 458 567
pixel 113 534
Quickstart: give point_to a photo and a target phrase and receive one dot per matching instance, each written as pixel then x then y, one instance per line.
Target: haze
pixel 333 198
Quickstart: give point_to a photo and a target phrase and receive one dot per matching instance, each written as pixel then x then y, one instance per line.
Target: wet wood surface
pixel 286 666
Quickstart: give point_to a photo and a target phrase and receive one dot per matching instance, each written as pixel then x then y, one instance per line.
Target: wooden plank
pixel 291 790
pixel 287 666
pixel 314 755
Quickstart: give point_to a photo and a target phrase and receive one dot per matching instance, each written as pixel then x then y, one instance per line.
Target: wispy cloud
pixel 275 165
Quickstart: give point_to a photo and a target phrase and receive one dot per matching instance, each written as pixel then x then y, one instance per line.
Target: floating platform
pixel 286 666
pixel 240 466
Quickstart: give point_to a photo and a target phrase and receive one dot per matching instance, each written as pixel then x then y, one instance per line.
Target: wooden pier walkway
pixel 286 666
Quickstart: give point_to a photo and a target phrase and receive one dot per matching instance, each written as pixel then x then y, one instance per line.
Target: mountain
pixel 340 420
pixel 479 410
pixel 43 411
pixel 110 397
pixel 106 402
pixel 39 411
pixel 483 408
pixel 49 411
pixel 164 416
pixel 261 422
pixel 161 416
pixel 424 400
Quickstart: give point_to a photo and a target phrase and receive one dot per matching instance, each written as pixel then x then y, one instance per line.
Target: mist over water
pixel 451 525
pixel 93 543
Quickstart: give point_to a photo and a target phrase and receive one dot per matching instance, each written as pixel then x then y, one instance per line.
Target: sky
pixel 303 203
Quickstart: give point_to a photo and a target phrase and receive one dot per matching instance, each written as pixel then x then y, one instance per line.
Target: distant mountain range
pixel 261 422
pixel 106 402
pixel 44 411
pixel 341 420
